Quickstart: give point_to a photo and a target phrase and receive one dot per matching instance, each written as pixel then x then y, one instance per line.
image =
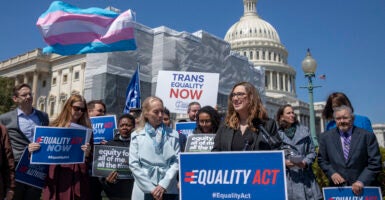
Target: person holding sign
pixel 154 153
pixel 299 156
pixel 208 120
pixel 120 189
pixel 247 126
pixel 20 124
pixel 69 181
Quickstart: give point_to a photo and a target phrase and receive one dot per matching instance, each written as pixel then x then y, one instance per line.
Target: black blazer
pixel 364 160
pixel 224 137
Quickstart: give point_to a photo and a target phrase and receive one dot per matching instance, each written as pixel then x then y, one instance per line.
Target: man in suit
pixel 349 155
pixel 21 123
pixel 96 108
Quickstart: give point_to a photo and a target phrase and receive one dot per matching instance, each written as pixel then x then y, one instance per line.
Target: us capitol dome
pixel 258 40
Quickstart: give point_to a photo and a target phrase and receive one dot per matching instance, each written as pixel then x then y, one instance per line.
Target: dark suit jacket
pixel 224 137
pixel 18 140
pixel 364 160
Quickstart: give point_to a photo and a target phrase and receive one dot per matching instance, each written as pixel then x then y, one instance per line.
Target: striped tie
pixel 346 144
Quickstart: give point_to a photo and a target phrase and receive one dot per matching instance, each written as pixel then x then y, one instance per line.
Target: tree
pixel 6 103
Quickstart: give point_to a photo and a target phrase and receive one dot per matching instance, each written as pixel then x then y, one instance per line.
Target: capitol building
pixel 251 51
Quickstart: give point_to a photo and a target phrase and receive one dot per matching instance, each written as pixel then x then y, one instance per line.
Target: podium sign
pixel 232 175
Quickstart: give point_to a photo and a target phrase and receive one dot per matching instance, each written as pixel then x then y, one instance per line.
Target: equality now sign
pixel 177 89
pixel 232 175
pixel 59 145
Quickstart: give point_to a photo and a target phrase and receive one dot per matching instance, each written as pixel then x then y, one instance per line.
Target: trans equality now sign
pixel 177 89
pixel 232 175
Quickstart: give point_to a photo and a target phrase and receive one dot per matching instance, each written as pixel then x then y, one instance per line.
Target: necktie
pixel 346 143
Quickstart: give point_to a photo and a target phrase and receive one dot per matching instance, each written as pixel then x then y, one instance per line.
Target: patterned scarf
pixel 290 132
pixel 157 136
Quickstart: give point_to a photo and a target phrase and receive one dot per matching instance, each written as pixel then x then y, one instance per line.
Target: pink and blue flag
pixel 69 30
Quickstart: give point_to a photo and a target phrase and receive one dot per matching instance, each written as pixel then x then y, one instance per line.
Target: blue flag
pixel 133 93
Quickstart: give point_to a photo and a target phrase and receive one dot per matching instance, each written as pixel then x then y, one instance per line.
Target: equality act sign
pixel 59 145
pixel 232 175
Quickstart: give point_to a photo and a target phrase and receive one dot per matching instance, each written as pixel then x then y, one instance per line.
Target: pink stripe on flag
pixel 87 37
pixel 60 16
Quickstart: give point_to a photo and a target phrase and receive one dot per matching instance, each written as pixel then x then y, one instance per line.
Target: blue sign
pixel 185 128
pixel 30 174
pixel 59 145
pixel 341 193
pixel 232 175
pixel 103 128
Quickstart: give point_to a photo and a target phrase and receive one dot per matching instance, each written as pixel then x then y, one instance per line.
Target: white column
pixel 284 83
pixel 25 78
pixel 278 81
pixel 16 80
pixel 34 87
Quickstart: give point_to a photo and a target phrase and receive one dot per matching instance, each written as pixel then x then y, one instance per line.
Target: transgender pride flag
pixel 69 30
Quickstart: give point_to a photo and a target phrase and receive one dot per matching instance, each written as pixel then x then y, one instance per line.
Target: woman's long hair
pixel 146 107
pixel 255 108
pixel 339 99
pixel 64 118
pixel 214 118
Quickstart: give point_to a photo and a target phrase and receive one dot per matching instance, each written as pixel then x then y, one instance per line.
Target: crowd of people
pixel 348 150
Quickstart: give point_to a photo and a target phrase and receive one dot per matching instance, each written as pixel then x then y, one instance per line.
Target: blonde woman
pixel 154 152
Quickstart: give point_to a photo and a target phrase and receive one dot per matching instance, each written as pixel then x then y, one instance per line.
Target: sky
pixel 346 37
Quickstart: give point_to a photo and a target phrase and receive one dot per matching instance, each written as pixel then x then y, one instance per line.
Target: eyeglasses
pixel 77 109
pixel 25 95
pixel 237 94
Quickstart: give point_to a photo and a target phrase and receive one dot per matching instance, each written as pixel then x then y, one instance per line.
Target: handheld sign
pixel 103 128
pixel 335 193
pixel 232 175
pixel 180 88
pixel 30 174
pixel 59 145
pixel 111 158
pixel 200 142
pixel 185 128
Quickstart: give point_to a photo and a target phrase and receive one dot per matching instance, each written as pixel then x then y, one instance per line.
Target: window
pixel 76 75
pixel 65 78
pixel 43 84
pixel 251 55
pixel 54 81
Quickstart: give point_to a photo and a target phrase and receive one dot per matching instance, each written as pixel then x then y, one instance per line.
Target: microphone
pixel 248 142
pixel 272 141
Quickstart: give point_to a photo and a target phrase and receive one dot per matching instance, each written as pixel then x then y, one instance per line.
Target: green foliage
pixel 6 102
pixel 323 180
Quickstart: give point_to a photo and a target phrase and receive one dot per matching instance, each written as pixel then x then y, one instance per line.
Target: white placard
pixel 177 89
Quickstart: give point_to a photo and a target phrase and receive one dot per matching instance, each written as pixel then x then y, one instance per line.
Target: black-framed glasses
pixel 25 95
pixel 237 94
pixel 77 109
